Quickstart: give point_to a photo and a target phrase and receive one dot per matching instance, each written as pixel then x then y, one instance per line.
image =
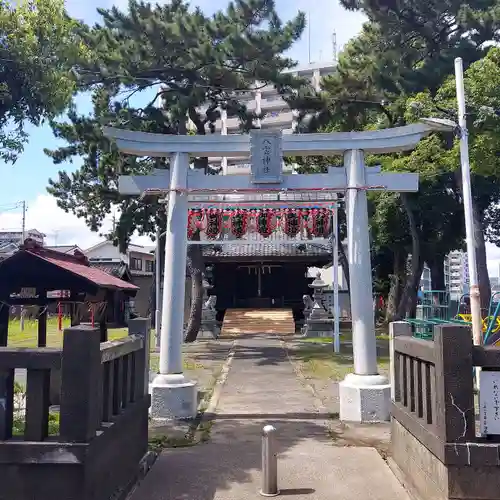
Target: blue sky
pixel 27 179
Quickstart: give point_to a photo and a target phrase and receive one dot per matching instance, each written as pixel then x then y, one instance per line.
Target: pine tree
pixel 196 65
pixel 39 43
pixel 429 34
pixel 370 90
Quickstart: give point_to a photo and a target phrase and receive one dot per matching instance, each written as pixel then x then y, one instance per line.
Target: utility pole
pixel 23 237
pixel 475 300
pixel 23 225
pixel 334 46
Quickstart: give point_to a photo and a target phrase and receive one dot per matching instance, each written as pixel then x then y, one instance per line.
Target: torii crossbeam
pixel 364 395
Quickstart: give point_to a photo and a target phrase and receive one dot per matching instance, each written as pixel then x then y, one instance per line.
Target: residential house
pixel 65 249
pixel 138 261
pixel 10 241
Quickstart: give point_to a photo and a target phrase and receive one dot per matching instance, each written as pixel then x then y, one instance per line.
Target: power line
pixel 8 210
pixel 23 236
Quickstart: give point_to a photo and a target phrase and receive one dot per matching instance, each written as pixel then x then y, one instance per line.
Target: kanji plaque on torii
pixel 364 394
pixel 266 156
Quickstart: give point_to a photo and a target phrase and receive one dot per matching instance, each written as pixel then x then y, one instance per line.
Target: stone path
pixel 262 388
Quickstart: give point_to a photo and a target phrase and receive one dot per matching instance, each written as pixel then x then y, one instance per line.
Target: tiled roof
pixel 63 248
pixel 271 249
pixel 76 264
pixel 118 269
pixel 97 276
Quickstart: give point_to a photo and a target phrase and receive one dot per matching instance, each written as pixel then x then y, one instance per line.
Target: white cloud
pixel 60 227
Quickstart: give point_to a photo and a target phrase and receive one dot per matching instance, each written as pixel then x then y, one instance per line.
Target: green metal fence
pixel 433 308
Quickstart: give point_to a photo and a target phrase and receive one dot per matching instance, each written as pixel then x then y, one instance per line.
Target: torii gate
pixel 364 394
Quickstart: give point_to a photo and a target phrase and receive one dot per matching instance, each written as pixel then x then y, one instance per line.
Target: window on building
pixel 149 266
pixel 135 264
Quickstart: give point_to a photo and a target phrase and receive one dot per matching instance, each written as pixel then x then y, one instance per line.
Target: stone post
pixel 396 329
pixel 142 327
pixel 172 395
pixel 81 381
pixel 364 395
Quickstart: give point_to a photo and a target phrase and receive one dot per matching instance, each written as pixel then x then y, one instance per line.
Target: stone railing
pixel 92 445
pixel 436 450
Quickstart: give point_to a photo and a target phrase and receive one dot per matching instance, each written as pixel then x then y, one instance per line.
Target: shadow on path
pixel 262 388
pixel 233 456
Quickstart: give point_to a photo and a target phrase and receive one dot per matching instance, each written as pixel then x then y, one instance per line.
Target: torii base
pixel 365 398
pixel 173 397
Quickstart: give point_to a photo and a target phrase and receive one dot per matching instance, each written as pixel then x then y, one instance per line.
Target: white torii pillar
pixel 364 394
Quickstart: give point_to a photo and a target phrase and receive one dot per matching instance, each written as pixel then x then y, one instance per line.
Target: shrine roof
pixel 34 265
pixel 271 250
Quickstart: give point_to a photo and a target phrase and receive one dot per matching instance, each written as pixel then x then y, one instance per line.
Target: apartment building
pixel 456 275
pixel 276 113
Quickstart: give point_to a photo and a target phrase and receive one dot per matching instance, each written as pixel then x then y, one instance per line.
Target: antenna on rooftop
pixel 309 35
pixel 334 46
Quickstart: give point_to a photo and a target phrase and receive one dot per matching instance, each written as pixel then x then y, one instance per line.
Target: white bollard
pixel 269 463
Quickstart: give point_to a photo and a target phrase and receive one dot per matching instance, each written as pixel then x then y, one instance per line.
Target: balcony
pixel 273 103
pixel 278 120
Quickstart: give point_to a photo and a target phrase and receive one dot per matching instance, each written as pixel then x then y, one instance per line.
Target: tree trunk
pixel 480 247
pixel 344 264
pixel 409 297
pixel 195 267
pixel 411 308
pixel 396 280
pixel 195 263
pixel 481 260
pixel 436 265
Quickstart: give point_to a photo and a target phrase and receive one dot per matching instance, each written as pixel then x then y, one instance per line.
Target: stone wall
pixel 436 451
pixel 417 467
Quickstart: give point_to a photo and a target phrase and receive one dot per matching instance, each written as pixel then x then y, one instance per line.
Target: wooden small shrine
pixel 37 276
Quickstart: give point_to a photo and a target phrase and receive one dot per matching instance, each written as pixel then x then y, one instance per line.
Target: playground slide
pixel 494 339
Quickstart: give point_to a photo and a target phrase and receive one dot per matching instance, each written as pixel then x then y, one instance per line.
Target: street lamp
pixel 442 124
pixel 460 129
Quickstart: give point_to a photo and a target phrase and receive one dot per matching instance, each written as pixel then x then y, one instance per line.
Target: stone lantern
pixel 318 286
pixel 318 323
pixel 210 328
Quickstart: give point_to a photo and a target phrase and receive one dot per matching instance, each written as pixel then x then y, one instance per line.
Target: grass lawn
pixel 154 364
pixel 381 333
pixel 317 359
pixel 28 337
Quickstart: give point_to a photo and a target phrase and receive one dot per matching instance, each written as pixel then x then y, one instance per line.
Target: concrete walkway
pixel 262 388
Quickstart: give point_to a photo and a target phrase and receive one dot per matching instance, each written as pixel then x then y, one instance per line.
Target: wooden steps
pixel 253 321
